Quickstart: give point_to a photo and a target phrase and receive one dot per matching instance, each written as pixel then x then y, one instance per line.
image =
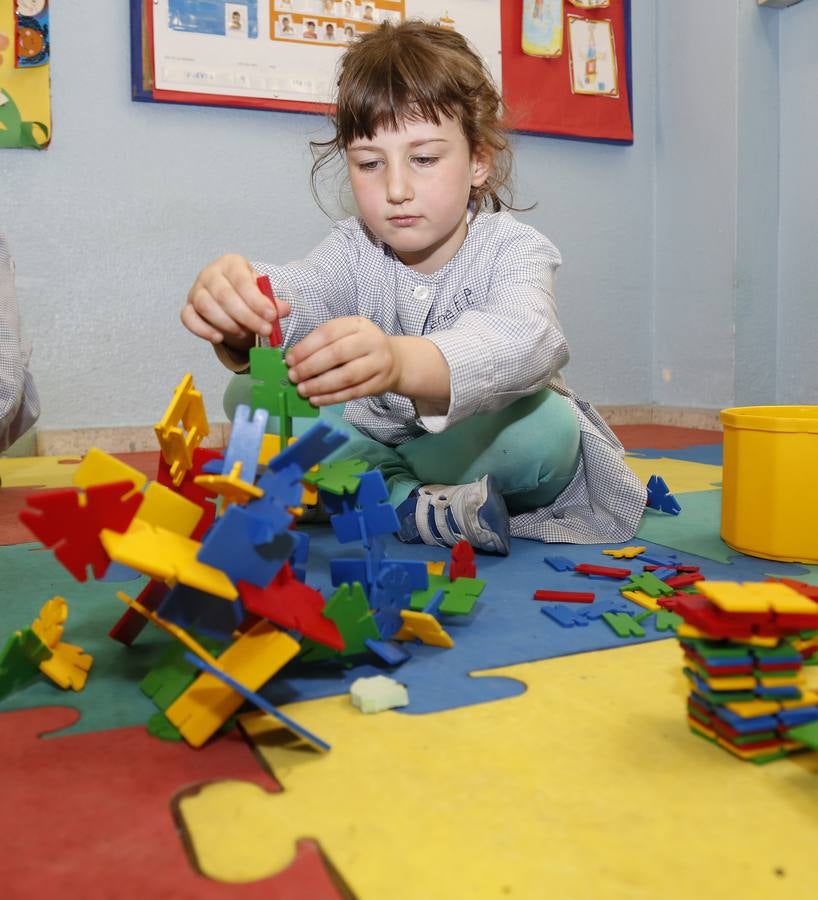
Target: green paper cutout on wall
pixel 14 131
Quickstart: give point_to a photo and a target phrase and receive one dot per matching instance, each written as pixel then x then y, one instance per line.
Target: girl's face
pixel 412 188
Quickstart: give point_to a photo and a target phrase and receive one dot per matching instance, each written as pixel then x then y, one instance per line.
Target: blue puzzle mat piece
pixel 701 453
pixel 505 628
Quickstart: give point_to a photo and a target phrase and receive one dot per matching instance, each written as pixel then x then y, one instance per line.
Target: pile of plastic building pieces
pixel 745 647
pixel 215 533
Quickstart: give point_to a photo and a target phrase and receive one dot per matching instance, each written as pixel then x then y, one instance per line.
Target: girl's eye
pixel 425 160
pixel 369 166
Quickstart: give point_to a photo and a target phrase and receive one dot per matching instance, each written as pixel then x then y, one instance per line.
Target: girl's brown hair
pixel 416 70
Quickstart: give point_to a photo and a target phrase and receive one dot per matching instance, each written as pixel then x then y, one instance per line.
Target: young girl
pixel 431 315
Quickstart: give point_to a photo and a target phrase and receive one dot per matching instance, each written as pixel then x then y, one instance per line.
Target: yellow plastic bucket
pixel 770 483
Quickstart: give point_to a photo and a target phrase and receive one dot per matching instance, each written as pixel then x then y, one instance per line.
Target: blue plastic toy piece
pixel 315 444
pixel 656 559
pixel 597 609
pixel 390 593
pixel 560 563
pixel 793 717
pixel 744 725
pixel 391 653
pixel 433 605
pixel 300 554
pixel 245 442
pixel 197 610
pixel 260 702
pixel 246 547
pixel 363 515
pixel 563 615
pixel 659 496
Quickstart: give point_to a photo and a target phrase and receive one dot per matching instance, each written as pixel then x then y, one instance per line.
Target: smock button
pixel 421 292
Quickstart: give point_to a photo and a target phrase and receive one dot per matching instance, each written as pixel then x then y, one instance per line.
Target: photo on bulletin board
pixel 283 54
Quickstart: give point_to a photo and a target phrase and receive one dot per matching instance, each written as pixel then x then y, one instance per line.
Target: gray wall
pixel 110 225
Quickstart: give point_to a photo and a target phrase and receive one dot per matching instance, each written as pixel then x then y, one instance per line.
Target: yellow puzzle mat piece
pixel 588 785
pixel 681 475
pixel 38 471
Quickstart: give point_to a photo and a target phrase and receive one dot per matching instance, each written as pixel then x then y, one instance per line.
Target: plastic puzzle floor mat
pixel 556 741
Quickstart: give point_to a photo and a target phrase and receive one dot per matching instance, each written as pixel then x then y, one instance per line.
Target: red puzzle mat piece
pixel 12 530
pixel 89 815
pixel 664 437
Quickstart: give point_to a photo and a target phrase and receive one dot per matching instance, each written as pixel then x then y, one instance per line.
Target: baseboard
pixel 127 439
pixel 75 441
pixel 680 416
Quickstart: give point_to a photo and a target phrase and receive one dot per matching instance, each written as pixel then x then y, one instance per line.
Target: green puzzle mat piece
pixel 110 698
pixel 695 530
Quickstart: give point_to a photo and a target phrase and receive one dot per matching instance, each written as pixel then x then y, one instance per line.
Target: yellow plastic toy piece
pixel 424 627
pixel 642 599
pixel 163 508
pixel 98 467
pixel 231 488
pixel 270 447
pixel 625 552
pixel 808 698
pixel 252 660
pixel 166 556
pixel 696 725
pixel 769 680
pixel 729 682
pixel 756 597
pixel 748 709
pixel 178 444
pixel 436 568
pixel 68 665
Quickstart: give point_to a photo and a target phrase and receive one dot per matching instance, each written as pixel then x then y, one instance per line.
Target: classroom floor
pixel 534 760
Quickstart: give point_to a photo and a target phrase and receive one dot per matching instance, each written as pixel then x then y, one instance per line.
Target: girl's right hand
pixel 226 306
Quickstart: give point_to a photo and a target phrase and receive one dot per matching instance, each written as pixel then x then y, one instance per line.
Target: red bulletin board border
pixel 537 91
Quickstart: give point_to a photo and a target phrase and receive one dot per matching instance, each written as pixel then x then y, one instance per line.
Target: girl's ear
pixel 481 161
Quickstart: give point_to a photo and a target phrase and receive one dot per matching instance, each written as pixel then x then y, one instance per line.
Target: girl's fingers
pixel 320 339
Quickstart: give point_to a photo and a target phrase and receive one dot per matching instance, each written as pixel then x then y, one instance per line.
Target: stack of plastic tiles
pixel 745 647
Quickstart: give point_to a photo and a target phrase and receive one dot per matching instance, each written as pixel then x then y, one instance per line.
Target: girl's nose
pixel 398 185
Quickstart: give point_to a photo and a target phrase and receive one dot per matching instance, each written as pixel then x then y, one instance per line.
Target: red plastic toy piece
pixel 462 561
pixel 188 488
pixel 288 602
pixel 276 337
pixel 130 625
pixel 60 519
pixel 568 596
pixel 607 571
pixel 684 580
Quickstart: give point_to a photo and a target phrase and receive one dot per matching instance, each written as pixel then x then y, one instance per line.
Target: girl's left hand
pixel 345 359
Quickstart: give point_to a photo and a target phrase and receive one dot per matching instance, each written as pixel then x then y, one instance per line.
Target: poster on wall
pixel 280 53
pixel 25 100
pixel 558 76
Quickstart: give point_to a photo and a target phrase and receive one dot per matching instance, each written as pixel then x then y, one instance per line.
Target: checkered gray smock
pixel 19 403
pixel 491 312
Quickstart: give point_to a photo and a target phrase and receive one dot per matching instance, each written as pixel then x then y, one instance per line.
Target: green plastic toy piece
pixel 667 620
pixel 460 595
pixel 645 615
pixel 20 661
pixel 339 477
pixel 805 734
pixel 649 584
pixel 624 625
pixel 349 609
pixel 173 674
pixel 274 391
pixel 160 726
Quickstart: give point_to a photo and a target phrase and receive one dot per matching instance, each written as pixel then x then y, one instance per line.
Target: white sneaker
pixel 446 514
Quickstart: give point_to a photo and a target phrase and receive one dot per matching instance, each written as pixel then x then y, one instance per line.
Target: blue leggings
pixel 531 447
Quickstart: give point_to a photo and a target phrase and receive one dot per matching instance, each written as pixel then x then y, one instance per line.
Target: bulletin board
pixel 563 65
